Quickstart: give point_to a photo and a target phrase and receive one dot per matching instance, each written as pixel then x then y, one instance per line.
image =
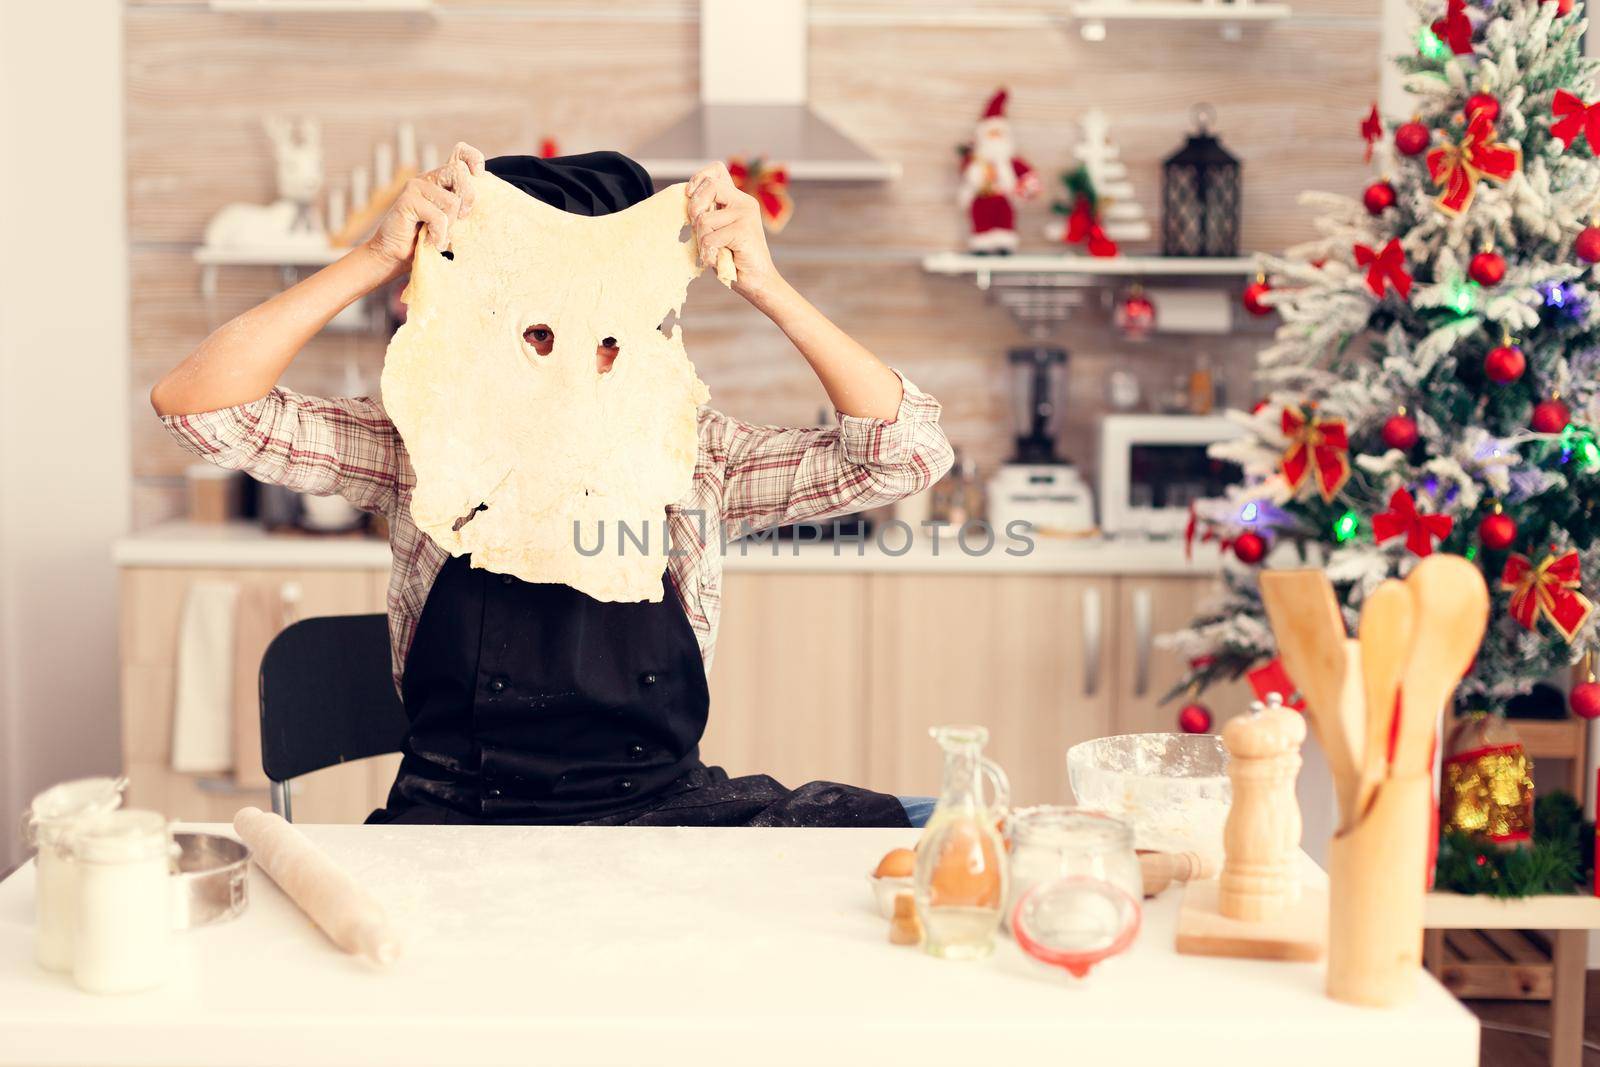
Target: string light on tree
pixel 1346 526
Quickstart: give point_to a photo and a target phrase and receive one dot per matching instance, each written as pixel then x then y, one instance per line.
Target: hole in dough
pixel 468 517
pixel 448 255
pixel 540 337
pixel 605 354
pixel 685 234
pixel 669 322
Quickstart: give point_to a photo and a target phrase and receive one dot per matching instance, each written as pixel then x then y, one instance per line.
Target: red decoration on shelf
pixel 1482 102
pixel 769 184
pixel 1585 700
pixel 1497 531
pixel 1575 117
pixel 1487 268
pixel 1135 315
pixel 1319 452
pixel 1385 268
pixel 1550 416
pixel 1412 138
pixel 1194 719
pixel 1458 167
pixel 1587 244
pixel 1403 518
pixel 1455 29
pixel 1252 297
pixel 1551 589
pixel 1371 130
pixel 548 148
pixel 1250 547
pixel 1378 198
pixel 1400 431
pixel 1504 364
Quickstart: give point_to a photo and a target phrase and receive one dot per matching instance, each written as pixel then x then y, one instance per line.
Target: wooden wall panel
pixel 905 78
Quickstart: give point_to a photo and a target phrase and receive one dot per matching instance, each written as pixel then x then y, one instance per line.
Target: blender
pixel 1038 486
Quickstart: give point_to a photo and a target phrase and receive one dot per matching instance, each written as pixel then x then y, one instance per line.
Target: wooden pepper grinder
pixel 1262 836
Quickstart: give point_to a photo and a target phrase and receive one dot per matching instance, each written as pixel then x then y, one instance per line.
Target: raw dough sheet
pixel 557 454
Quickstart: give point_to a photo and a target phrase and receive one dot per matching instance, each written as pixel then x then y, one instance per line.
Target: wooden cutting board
pixel 1299 933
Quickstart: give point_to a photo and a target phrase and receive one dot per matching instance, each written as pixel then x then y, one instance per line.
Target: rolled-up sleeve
pixel 344 446
pixel 773 475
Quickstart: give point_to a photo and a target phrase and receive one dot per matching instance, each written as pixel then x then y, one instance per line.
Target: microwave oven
pixel 1152 467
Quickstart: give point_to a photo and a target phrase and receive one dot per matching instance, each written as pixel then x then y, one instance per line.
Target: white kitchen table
pixel 665 946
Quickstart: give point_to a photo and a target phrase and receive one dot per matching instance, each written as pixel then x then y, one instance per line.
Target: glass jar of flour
pixel 124 928
pixel 45 827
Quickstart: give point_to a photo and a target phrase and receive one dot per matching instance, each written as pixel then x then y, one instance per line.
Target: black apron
pixel 534 703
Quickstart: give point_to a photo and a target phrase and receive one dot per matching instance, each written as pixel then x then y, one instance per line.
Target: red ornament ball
pixel 1487 268
pixel 1497 531
pixel 1250 547
pixel 1412 138
pixel 1505 364
pixel 1135 316
pixel 1252 298
pixel 1196 718
pixel 1482 102
pixel 1379 197
pixel 1400 431
pixel 1585 701
pixel 1550 416
pixel 1587 244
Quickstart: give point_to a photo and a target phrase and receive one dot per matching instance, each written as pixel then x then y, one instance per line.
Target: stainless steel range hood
pixel 753 102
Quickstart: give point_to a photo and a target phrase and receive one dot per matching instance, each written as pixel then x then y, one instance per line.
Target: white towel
pixel 202 714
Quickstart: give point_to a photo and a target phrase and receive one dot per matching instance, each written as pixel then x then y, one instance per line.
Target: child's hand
pixel 724 217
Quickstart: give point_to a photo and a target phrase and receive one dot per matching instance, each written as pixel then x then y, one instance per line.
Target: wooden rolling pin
pixel 350 916
pixel 1161 869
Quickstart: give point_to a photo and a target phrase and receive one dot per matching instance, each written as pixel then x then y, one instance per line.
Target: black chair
pixel 327 697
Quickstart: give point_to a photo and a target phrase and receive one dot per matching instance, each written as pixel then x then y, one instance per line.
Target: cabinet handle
pixel 289 596
pixel 1142 607
pixel 1091 641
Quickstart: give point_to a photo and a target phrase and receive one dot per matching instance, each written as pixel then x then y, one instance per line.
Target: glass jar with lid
pixel 1076 887
pixel 45 828
pixel 124 916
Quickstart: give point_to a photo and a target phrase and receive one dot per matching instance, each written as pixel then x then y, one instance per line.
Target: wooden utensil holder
pixel 1377 880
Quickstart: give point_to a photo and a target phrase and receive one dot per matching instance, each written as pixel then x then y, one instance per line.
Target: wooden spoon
pixel 1451 612
pixel 1311 642
pixel 1385 633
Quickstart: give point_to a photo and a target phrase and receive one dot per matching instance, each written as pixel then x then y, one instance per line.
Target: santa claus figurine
pixel 991 176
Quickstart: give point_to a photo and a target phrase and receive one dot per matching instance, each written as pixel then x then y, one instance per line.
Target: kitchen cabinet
pixel 788 685
pixel 1028 656
pixel 152 607
pixel 1148 607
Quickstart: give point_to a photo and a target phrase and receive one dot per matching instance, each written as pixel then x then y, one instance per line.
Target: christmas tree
pixel 1100 209
pixel 1434 384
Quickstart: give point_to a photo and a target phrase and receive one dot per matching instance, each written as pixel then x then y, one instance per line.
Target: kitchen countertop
pixel 239 544
pixel 580 945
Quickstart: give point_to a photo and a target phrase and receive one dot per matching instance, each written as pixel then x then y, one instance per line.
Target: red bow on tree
pixel 1319 448
pixel 1455 29
pixel 1272 678
pixel 1404 518
pixel 1386 267
pixel 769 184
pixel 1458 167
pixel 1576 117
pixel 1551 589
pixel 1371 130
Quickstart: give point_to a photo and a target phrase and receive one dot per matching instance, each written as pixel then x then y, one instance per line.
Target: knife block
pixel 1378 876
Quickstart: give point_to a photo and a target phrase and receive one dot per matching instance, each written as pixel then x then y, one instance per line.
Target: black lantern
pixel 1200 195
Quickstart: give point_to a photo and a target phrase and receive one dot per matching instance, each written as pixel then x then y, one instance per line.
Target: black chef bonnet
pixel 595 183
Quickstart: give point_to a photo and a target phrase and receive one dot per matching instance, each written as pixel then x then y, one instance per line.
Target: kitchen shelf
pixel 323 7
pixel 289 258
pixel 985 268
pixel 1093 15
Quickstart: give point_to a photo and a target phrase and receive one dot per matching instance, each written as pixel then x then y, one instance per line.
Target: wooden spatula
pixel 1311 641
pixel 1451 611
pixel 1385 634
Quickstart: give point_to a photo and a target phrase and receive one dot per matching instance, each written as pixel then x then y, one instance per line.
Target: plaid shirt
pixel 746 478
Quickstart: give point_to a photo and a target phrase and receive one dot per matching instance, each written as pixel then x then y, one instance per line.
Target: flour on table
pixel 522 458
